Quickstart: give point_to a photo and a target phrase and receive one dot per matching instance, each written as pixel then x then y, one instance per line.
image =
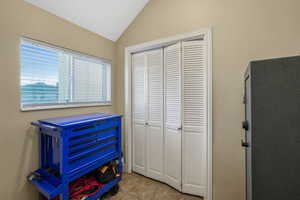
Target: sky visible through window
pixel 39 74
pixel 51 76
pixel 43 62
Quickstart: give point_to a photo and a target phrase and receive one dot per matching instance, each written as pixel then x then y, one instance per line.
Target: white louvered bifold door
pixel 139 105
pixel 172 80
pixel 155 134
pixel 195 109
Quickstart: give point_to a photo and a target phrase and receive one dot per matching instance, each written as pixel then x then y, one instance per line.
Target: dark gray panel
pixel 275 90
pixel 248 137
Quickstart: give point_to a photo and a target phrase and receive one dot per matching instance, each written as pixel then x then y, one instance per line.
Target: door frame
pixel 207 33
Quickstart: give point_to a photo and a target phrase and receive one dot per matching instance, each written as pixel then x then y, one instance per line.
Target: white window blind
pixel 53 77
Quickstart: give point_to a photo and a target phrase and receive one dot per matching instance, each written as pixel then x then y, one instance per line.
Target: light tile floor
pixel 137 187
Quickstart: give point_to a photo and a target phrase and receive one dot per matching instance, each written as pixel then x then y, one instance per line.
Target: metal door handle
pixel 244 144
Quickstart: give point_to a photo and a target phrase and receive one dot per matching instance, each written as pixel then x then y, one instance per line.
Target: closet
pixel 170 115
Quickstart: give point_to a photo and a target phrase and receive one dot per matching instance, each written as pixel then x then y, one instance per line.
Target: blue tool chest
pixel 71 147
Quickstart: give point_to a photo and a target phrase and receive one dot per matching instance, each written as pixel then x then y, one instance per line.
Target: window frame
pixel 47 106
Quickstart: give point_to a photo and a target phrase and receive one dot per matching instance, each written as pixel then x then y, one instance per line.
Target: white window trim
pixel 58 106
pixel 47 106
pixel 128 94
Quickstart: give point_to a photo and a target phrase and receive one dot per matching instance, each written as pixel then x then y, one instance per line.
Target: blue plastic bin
pixel 73 146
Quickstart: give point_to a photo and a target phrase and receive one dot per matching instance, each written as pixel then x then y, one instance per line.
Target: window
pixel 53 77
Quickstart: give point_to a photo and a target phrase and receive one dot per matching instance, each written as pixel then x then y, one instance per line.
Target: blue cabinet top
pixel 64 122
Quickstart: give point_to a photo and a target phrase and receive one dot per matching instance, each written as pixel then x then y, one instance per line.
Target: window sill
pixel 59 106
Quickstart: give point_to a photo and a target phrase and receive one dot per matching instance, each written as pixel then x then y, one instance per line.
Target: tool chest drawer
pixel 92 142
pixel 73 146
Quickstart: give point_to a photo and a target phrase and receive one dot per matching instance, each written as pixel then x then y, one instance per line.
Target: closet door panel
pixel 155 134
pixel 172 68
pixel 194 162
pixel 139 112
pixel 173 158
pixel 139 150
pixel 194 98
pixel 155 153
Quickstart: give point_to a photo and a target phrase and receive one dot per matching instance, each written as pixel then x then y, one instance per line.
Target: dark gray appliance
pixel 272 129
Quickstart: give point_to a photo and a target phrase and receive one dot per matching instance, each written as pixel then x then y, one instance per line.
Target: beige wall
pixel 18 141
pixel 243 30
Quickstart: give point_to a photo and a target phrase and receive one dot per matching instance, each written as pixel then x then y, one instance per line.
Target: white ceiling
pixel 108 18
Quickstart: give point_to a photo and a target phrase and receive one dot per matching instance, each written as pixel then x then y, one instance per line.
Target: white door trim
pixel 128 93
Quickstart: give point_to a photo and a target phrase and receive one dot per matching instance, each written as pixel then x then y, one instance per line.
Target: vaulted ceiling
pixel 108 18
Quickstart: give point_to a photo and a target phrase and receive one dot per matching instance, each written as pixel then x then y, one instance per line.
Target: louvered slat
pixel 139 67
pixel 155 85
pixel 172 55
pixel 194 83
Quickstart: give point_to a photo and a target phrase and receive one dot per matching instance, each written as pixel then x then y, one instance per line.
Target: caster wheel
pixel 114 190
